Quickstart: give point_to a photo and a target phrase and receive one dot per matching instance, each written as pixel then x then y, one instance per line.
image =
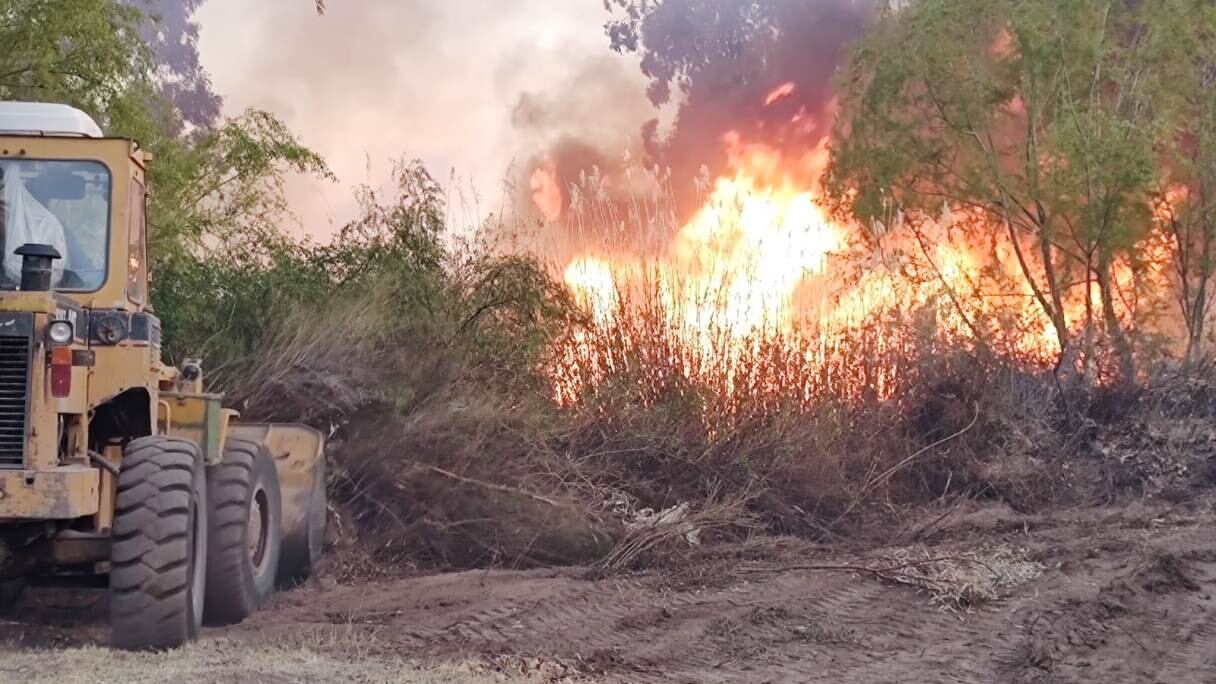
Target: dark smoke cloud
pixel 585 122
pixel 712 67
pixel 171 31
pixel 479 86
pixel 720 60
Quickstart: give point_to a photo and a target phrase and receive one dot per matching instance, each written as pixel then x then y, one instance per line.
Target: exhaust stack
pixel 36 266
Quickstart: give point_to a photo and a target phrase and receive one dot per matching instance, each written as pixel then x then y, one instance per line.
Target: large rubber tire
pixel 159 545
pixel 246 521
pixel 302 550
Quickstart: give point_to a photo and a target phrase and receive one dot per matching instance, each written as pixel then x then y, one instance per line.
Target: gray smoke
pixel 466 85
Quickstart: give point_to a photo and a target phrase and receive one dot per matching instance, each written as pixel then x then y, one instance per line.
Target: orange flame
pixel 762 260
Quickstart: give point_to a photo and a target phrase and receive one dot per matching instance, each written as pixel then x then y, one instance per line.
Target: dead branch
pixel 889 472
pixel 488 485
pixel 886 573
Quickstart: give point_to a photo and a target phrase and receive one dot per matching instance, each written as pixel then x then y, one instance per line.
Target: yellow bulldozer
pixel 113 464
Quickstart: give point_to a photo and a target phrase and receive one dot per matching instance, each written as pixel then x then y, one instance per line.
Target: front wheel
pixel 246 521
pixel 159 545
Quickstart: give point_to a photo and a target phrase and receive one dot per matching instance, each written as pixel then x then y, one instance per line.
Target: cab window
pixel 64 204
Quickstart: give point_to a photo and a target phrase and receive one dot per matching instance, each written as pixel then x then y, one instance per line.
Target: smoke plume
pixel 468 86
pixel 763 69
pixel 726 73
pixel 172 33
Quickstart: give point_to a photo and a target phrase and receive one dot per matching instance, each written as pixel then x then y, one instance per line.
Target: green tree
pixel 216 196
pixel 1186 199
pixel 227 185
pixel 83 52
pixel 1044 117
pixel 171 33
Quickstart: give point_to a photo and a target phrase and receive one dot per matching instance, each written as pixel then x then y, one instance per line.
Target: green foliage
pixel 227 185
pixel 83 52
pixel 1048 117
pixel 224 307
pixel 480 313
pixel 1040 101
pixel 221 262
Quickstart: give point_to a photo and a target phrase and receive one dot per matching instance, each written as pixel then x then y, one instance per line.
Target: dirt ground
pixel 1110 594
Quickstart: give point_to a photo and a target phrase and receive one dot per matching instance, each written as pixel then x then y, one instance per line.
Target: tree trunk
pixel 1114 329
pixel 1089 316
pixel 1196 322
pixel 1068 355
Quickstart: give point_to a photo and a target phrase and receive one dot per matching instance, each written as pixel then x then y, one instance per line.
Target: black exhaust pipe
pixel 36 268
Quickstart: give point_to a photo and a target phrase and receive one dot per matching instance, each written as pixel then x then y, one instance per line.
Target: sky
pixel 441 80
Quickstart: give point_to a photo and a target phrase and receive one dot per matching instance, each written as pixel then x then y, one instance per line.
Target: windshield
pixel 64 204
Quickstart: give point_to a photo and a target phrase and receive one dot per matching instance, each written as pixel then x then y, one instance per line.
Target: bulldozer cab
pixel 96 432
pixel 81 194
pixel 80 362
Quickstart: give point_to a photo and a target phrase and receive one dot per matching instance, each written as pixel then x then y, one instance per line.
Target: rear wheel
pixel 159 545
pixel 245 517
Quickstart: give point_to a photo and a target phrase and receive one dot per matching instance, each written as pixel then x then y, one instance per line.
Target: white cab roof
pixel 44 118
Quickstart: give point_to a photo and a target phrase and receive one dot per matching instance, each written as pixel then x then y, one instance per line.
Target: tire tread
pixel 150 556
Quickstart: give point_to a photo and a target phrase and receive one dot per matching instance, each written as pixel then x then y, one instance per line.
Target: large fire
pixel 761 264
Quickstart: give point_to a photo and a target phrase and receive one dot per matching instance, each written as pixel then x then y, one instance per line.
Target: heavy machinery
pixel 112 463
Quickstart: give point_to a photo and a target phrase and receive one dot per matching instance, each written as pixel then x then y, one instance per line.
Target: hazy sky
pixel 437 79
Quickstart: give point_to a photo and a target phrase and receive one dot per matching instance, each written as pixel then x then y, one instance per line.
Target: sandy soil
pixel 1117 594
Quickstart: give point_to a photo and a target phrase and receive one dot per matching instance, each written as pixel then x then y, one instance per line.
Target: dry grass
pixel 650 535
pixel 222 661
pixel 449 449
pixel 966 579
pixel 441 460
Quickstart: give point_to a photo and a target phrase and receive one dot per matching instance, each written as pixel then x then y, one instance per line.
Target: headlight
pixel 60 332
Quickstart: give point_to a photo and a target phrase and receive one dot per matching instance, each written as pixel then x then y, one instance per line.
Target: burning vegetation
pixel 840 285
pixel 948 270
pixel 871 263
pixel 994 195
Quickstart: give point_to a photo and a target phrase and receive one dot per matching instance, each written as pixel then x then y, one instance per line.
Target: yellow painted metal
pixel 119 369
pixel 103 520
pixel 55 494
pixel 37 302
pixel 43 421
pixel 299 457
pixel 125 162
pixel 68 486
pixel 199 418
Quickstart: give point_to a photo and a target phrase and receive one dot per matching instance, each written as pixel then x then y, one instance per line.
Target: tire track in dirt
pixel 1126 595
pixel 907 632
pixel 1198 655
pixel 1139 611
pixel 1195 639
